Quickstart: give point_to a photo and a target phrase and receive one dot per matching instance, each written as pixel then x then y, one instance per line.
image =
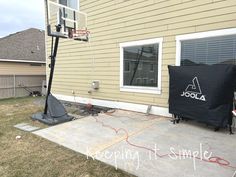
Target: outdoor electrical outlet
pixel 95 85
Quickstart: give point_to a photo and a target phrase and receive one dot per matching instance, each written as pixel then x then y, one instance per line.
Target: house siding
pixel 13 68
pixel 112 22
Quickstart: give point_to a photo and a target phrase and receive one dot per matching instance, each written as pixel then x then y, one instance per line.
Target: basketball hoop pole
pixel 54 112
pixel 52 66
pixel 57 16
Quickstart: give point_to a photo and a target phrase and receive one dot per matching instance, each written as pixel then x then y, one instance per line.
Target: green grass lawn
pixel 32 156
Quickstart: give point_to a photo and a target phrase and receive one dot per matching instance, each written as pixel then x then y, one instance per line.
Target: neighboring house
pixel 22 63
pixel 170 32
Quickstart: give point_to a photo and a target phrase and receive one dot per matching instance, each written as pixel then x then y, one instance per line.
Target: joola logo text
pixel 194 91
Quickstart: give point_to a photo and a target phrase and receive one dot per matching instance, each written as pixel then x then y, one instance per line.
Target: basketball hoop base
pixel 56 113
pixel 47 119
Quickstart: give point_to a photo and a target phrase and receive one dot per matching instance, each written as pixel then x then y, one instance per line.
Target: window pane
pixel 142 64
pixel 63 2
pixel 126 67
pixel 69 3
pixel 72 4
pixel 208 51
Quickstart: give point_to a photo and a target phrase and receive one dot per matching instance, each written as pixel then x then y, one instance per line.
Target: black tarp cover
pixel 203 93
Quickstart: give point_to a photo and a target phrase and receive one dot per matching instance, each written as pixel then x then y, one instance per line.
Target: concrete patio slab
pixel 133 142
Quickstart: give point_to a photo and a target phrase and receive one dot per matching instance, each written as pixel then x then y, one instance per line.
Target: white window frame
pixel 138 89
pixel 215 33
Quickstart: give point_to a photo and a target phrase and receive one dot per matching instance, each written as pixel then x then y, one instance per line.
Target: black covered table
pixel 204 93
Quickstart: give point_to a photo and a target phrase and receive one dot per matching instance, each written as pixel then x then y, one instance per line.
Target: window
pixel 138 56
pixel 140 65
pixel 145 81
pixel 138 81
pixel 151 81
pixel 152 68
pixel 70 3
pixel 36 64
pixel 127 66
pixel 208 48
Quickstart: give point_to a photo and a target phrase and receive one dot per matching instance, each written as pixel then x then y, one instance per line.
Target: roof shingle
pixel 24 45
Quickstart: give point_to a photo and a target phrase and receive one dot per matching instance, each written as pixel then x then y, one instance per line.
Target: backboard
pixel 72 21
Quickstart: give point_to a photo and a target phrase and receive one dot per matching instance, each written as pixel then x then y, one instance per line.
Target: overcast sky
pixel 18 15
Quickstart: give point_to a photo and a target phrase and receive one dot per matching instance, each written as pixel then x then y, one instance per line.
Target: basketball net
pixel 79 34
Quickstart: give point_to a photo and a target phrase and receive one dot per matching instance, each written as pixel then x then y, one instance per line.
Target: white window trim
pixel 137 89
pixel 200 35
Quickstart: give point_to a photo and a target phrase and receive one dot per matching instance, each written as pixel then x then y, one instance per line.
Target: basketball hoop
pixel 73 22
pixel 80 34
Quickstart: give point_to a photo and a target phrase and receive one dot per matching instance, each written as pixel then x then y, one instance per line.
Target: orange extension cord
pixel 216 160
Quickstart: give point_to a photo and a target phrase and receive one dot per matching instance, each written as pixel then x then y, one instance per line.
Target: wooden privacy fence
pixel 12 85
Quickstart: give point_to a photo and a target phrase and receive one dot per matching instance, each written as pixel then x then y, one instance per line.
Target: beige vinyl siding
pixel 112 22
pixel 13 68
